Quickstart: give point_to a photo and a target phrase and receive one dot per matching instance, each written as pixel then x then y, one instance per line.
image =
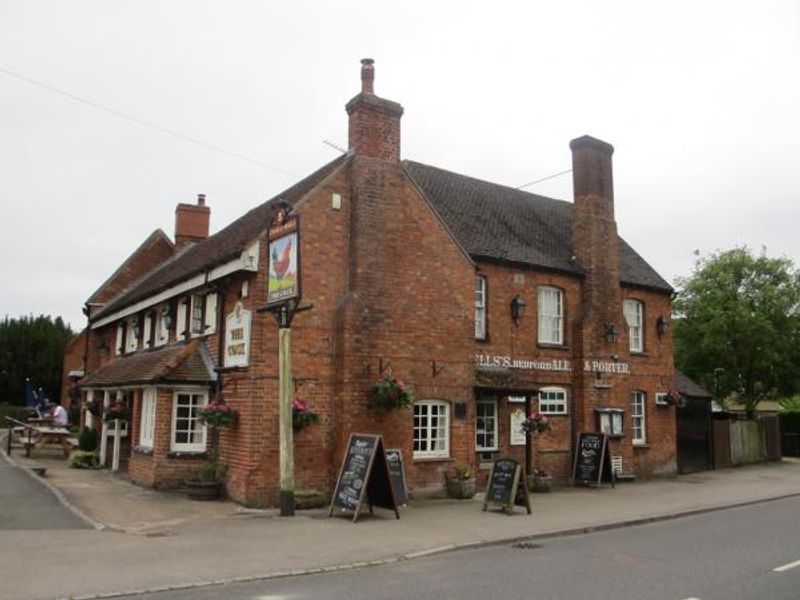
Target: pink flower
pixel 400 384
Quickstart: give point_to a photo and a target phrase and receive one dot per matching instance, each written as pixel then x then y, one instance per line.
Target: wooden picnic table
pixel 51 436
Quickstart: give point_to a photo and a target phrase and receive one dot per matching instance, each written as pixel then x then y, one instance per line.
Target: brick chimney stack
pixel 191 222
pixel 594 237
pixel 374 127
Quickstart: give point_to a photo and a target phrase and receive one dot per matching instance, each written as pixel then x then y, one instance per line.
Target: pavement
pixel 143 540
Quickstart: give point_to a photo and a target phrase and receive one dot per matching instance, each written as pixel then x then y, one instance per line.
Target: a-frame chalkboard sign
pixel 364 476
pixel 507 486
pixel 397 475
pixel 592 460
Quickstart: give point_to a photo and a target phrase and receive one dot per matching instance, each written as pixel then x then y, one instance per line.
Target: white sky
pixel 700 100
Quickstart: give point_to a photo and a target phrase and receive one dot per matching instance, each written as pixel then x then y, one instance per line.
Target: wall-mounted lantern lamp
pixel 662 325
pixel 611 332
pixel 517 309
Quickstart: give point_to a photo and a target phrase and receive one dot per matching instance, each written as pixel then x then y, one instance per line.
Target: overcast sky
pixel 700 99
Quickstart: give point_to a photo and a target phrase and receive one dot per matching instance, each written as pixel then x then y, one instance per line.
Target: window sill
pixel 187 454
pixel 480 450
pixel 146 451
pixel 546 346
pixel 640 445
pixel 640 353
pixel 432 459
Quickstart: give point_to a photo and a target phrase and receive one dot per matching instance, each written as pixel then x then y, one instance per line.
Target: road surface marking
pixel 786 567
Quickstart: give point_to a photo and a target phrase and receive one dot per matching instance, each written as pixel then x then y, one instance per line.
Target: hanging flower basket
pixel 302 415
pixel 675 398
pixel 390 393
pixel 117 411
pixel 536 423
pixel 217 414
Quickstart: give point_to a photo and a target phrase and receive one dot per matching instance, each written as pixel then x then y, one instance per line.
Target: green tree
pixel 31 347
pixel 738 315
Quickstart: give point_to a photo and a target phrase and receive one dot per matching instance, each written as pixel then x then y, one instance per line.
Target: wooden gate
pixel 722 443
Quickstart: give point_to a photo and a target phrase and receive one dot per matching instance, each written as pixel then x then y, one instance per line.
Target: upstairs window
pixel 131 334
pixel 551 316
pixel 634 317
pixel 162 323
pixel 198 321
pixel 553 401
pixel 480 308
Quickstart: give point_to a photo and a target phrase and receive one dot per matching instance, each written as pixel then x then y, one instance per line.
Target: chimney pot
pixel 367 76
pixel 201 199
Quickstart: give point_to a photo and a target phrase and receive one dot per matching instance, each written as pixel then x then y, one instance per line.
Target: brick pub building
pixel 476 295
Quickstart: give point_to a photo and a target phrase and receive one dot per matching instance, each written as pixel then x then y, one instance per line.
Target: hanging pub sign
pixel 283 252
pixel 237 337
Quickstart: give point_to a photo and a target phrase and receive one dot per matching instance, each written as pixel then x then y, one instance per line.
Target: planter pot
pixel 539 485
pixel 462 489
pixel 203 490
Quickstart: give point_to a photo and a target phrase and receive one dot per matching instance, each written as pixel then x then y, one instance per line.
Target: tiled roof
pixel 501 223
pixel 688 387
pixel 179 363
pixel 223 246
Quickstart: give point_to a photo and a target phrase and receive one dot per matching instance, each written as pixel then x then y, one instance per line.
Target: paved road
pixel 27 504
pixel 726 555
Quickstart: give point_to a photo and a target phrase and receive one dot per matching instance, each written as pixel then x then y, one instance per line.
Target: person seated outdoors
pixel 60 418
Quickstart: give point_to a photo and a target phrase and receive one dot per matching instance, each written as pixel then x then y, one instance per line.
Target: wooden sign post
pixel 507 486
pixel 592 460
pixel 364 476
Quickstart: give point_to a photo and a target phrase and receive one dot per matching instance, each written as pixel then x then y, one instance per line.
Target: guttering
pixel 247 261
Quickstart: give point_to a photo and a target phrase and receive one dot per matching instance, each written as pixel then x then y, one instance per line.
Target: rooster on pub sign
pixel 282 268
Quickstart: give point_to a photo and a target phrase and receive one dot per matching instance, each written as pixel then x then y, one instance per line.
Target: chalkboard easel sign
pixel 592 460
pixel 397 475
pixel 507 486
pixel 364 475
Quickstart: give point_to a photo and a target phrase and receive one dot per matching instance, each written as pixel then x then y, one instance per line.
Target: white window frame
pixel 425 444
pixel 198 399
pixel 181 326
pixel 634 317
pixel 638 418
pixel 120 343
pixel 131 341
pixel 148 327
pixel 551 322
pixel 162 331
pixel 480 307
pixel 481 432
pixel 549 404
pixel 661 399
pixel 197 315
pixel 147 429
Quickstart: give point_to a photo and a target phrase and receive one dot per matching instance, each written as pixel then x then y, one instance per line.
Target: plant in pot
pixel 535 425
pixel 460 481
pixel 302 415
pixel 390 393
pixel 206 481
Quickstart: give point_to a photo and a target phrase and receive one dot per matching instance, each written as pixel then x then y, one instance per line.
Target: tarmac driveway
pixel 28 504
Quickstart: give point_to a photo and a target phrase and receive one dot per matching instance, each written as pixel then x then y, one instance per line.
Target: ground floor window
pixel 148 421
pixel 188 431
pixel 639 435
pixel 486 424
pixel 431 429
pixel 553 401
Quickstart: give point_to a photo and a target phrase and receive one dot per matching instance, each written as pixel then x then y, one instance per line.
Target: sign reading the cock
pixel 283 282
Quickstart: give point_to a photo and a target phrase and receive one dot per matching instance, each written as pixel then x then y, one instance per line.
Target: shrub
pixel 81 459
pixel 87 439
